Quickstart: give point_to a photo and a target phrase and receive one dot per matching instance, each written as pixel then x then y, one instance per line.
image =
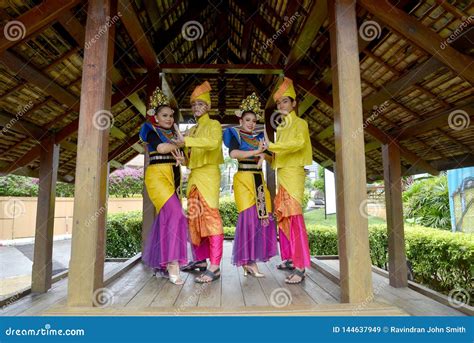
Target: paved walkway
pixel 16 262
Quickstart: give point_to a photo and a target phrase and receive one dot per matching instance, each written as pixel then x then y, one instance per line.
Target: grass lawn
pixel 316 216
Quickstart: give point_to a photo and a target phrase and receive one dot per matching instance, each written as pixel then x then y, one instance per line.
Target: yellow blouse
pixel 205 141
pixel 292 147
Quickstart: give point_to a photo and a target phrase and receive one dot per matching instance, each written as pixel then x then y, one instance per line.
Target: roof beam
pixel 73 126
pixel 434 120
pixel 138 35
pixel 36 77
pixel 422 36
pixel 37 19
pixel 233 69
pixel 314 20
pixel 375 132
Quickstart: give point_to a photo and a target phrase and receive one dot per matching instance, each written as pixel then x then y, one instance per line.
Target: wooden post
pixel 352 225
pixel 397 264
pixel 43 248
pixel 88 249
pixel 269 171
pixel 149 211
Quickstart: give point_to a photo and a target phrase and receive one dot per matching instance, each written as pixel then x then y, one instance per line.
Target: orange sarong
pixel 203 220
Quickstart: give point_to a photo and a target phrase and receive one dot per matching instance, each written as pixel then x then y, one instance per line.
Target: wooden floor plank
pixel 33 304
pixel 168 293
pixel 148 293
pixel 406 298
pixel 231 295
pixel 298 294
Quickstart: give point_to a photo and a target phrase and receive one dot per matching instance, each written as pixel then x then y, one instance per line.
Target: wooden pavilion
pixel 386 88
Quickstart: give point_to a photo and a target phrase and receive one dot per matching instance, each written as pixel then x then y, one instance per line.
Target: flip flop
pixel 213 275
pixel 298 273
pixel 287 265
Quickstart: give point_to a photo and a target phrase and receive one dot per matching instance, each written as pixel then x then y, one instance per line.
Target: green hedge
pixel 124 234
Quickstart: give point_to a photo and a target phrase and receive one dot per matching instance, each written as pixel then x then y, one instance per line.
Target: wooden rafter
pixel 422 36
pixel 138 35
pixel 38 18
pixel 72 127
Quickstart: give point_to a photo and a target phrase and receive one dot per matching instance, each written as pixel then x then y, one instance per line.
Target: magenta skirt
pixel 167 240
pixel 255 239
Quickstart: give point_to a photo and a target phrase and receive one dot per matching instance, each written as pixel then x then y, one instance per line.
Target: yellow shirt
pixel 205 141
pixel 292 147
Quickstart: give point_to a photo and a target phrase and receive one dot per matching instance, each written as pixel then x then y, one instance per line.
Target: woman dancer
pixel 292 151
pixel 255 234
pixel 165 248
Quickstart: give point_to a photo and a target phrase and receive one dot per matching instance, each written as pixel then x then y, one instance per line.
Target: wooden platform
pixel 138 292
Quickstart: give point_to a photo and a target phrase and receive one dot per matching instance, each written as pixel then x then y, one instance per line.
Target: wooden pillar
pixel 43 249
pixel 397 264
pixel 269 171
pixel 352 225
pixel 86 269
pixel 149 211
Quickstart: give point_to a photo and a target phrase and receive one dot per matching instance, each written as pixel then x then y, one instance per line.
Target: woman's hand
pixel 260 161
pixel 179 156
pixel 179 141
pixel 261 147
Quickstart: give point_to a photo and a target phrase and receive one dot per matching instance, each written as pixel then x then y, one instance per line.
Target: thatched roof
pixel 416 68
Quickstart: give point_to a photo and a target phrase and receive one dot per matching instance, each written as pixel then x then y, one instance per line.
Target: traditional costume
pixel 293 151
pixel 203 147
pixel 255 233
pixel 167 240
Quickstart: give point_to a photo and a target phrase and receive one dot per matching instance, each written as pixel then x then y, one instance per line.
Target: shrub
pixel 126 182
pixel 124 234
pixel 19 186
pixel 229 213
pixel 427 203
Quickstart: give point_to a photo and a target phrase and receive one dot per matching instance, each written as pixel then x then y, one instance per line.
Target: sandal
pixel 287 265
pixel 213 275
pixel 297 272
pixel 161 273
pixel 174 278
pixel 192 266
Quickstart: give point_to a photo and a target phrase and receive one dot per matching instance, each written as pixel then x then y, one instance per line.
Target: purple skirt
pixel 255 240
pixel 167 240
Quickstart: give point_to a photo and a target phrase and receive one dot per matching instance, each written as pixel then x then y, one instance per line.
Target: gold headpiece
pixel 250 104
pixel 157 99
